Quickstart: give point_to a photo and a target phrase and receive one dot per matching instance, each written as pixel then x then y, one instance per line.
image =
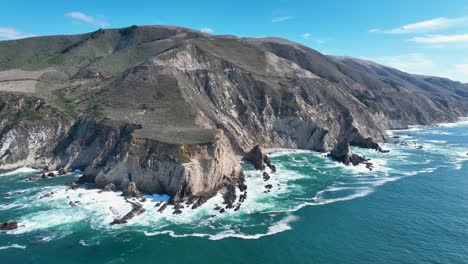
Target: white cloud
pixel 426 26
pixel 441 38
pixel 416 63
pixel 459 73
pixel 87 19
pixel 419 63
pixel 282 19
pixel 207 30
pixel 12 33
pixel 306 35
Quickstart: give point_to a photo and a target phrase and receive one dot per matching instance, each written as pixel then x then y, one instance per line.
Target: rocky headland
pixel 169 110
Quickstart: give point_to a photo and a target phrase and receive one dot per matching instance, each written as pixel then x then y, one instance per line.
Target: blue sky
pixel 424 37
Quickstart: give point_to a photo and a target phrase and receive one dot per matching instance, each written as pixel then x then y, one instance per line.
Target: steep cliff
pixel 172 109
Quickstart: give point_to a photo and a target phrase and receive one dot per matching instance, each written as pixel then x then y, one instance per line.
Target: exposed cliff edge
pixel 171 109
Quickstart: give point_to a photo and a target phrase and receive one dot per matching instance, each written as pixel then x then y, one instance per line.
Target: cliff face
pixel 171 109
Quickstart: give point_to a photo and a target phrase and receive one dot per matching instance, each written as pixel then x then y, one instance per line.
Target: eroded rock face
pixel 174 122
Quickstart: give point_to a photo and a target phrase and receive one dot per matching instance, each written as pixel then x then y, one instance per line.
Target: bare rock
pixel 342 153
pixel 255 157
pixel 137 209
pixel 229 196
pixel 110 187
pixel 131 191
pixel 8 226
pixel 266 176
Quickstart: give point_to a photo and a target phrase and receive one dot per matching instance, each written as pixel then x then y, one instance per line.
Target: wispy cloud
pixel 207 30
pixel 416 63
pixel 306 35
pixel 79 16
pixel 282 19
pixel 462 71
pixel 441 38
pixel 419 63
pixel 12 33
pixel 432 25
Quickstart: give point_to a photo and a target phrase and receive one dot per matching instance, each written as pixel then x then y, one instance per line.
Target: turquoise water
pixel 413 208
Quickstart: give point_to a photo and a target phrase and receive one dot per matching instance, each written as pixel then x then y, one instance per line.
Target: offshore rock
pixel 8 226
pixel 131 191
pixel 110 188
pixel 137 209
pixel 255 157
pixel 342 153
pixel 175 121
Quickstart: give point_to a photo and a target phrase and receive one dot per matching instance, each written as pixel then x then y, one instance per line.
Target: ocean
pixel 412 208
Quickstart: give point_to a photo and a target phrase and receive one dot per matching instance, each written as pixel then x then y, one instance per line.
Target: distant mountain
pixel 171 108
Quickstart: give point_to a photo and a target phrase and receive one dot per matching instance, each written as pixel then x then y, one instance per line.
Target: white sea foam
pixel 19 171
pixel 288 194
pixel 277 227
pixel 12 246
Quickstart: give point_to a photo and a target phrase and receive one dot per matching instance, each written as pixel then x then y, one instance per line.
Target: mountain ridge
pixel 171 108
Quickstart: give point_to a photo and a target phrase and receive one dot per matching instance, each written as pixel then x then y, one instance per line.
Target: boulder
pixel 8 226
pixel 255 157
pixel 131 191
pixel 61 171
pixel 241 182
pixel 242 197
pixel 266 176
pixel 109 187
pixel 273 168
pixel 342 153
pixel 229 196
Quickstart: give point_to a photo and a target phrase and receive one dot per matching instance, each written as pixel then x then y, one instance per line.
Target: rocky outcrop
pixel 255 157
pixel 342 153
pixel 175 121
pixel 111 187
pixel 259 160
pixel 137 209
pixel 130 191
pixel 8 226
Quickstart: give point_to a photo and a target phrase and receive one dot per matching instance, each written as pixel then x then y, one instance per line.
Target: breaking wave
pixel 303 178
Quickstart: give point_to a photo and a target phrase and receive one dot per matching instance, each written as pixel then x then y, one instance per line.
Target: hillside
pixel 172 108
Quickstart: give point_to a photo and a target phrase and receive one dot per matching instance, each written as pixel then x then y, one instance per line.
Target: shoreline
pixel 270 151
pixel 461 120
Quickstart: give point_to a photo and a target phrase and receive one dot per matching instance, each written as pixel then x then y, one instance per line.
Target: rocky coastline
pixel 179 120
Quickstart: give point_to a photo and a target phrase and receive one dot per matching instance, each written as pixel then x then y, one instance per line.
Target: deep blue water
pixel 413 208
